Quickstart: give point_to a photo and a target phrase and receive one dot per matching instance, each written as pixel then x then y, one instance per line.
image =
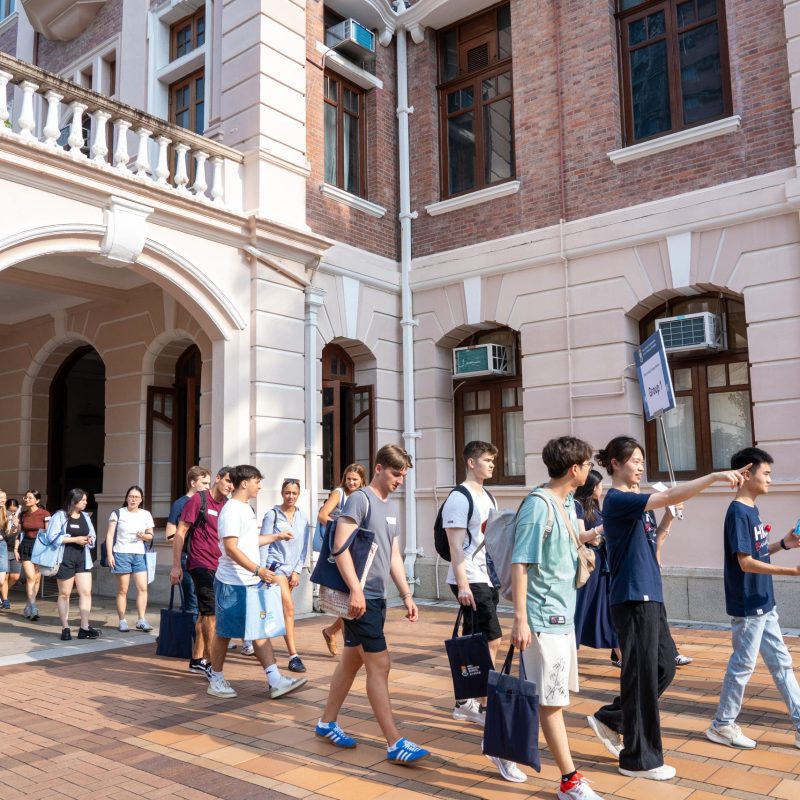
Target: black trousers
pixel 648 667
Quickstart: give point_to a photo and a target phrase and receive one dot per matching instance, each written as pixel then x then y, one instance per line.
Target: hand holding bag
pixel 150 556
pixel 470 660
pixel 176 631
pixel 586 556
pixel 48 550
pixel 264 617
pixel 512 716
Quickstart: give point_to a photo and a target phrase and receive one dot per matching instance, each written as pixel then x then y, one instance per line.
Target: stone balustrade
pixel 50 112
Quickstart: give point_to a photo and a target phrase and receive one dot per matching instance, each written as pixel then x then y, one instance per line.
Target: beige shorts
pixel 551 662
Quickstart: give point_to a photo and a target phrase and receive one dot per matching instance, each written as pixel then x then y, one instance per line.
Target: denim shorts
pixel 14 566
pixel 3 557
pixel 231 608
pixel 127 563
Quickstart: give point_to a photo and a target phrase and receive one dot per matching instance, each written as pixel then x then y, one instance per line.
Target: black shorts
pixel 486 600
pixel 367 630
pixel 26 548
pixel 203 580
pixel 74 561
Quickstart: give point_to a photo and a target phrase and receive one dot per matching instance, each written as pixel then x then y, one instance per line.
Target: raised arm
pixel 678 494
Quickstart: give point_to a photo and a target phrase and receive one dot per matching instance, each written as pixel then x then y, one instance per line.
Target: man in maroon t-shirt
pixel 200 524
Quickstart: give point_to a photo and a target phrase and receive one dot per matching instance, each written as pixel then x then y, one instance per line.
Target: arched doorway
pixel 77 427
pixel 347 416
pixel 173 426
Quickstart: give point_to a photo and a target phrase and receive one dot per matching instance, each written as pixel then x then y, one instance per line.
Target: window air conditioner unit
pixel 351 39
pixel 483 359
pixel 689 332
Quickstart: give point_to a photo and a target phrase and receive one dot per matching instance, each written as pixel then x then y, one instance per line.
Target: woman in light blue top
pixel 286 557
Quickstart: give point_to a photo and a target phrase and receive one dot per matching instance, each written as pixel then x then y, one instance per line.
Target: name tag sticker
pixel 213 513
pixel 391 520
pixel 75 526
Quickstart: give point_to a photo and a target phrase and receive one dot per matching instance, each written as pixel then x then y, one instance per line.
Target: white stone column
pixel 791 16
pixel 51 130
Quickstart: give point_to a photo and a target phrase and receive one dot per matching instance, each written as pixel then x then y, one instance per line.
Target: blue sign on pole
pixel 655 382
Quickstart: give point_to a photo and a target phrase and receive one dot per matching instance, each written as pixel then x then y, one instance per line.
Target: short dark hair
pixel 750 455
pixel 477 448
pixel 620 449
pixel 560 454
pixel 223 471
pixel 244 472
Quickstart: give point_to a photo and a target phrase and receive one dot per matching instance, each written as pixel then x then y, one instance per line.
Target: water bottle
pixel 796 530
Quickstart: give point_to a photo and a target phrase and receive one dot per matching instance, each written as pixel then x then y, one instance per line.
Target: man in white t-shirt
pixel 236 584
pixel 464 520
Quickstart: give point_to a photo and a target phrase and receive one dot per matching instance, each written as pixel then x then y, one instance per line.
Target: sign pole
pixel 670 470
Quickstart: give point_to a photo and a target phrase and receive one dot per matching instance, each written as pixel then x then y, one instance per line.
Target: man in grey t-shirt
pixel 364 642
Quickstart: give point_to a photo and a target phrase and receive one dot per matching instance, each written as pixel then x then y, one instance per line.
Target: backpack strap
pixel 364 524
pixel 202 518
pixel 461 489
pixel 548 528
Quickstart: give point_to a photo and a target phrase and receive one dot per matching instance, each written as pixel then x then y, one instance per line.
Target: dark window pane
pixel 656 25
pixel 686 14
pixel 499 84
pixel 624 5
pixel 183 41
pixel 706 9
pixel 449 55
pixel 350 101
pixel 330 144
pixel 650 90
pixel 637 31
pixel 350 154
pixel 460 99
pixel 701 74
pixel 498 144
pixel 199 116
pixel 504 32
pixel 461 152
pixel 182 119
pixel 201 31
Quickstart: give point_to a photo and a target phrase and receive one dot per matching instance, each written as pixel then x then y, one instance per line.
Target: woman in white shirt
pixel 129 528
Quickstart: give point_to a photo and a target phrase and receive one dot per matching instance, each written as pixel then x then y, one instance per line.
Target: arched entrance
pixel 77 427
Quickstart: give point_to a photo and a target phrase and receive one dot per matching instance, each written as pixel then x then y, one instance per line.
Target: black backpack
pixel 440 540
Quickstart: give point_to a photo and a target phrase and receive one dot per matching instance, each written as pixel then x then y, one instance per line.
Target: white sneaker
pixel 123 626
pixel 663 773
pixel 578 790
pixel 508 769
pixel 469 710
pixel 26 612
pixel 285 685
pixel 610 739
pixel 143 625
pixel 247 649
pixel 34 612
pixel 730 735
pixel 219 687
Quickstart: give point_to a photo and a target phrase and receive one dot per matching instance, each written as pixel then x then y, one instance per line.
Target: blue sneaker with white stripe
pixel 332 732
pixel 405 752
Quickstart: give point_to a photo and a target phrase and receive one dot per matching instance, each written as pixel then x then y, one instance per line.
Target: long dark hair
pixel 133 489
pixel 585 494
pixel 74 496
pixel 620 448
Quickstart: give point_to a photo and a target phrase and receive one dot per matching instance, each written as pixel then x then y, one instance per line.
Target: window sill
pixel 352 200
pixel 473 198
pixel 347 69
pixel 183 66
pixel 672 140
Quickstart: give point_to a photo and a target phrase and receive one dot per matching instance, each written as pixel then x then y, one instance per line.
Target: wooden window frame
pixel 190 81
pixel 465 79
pixel 191 21
pixel 672 33
pixel 362 130
pixel 153 414
pixel 700 392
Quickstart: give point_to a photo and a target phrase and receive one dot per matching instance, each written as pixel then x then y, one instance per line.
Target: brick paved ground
pixel 124 724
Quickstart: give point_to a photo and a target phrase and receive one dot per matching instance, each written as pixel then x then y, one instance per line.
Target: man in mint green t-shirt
pixel 543 569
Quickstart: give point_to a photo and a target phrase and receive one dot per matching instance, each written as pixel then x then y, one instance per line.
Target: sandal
pixel 330 641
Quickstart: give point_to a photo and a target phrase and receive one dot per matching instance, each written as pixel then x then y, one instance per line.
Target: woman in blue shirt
pixel 637 609
pixel 287 556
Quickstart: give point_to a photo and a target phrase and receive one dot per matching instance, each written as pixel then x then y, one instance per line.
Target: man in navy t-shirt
pixel 750 601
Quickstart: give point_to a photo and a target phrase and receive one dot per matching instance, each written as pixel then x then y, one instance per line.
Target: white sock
pixel 217 676
pixel 392 746
pixel 273 675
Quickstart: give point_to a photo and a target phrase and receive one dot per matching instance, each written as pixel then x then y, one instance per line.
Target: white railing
pixel 103 132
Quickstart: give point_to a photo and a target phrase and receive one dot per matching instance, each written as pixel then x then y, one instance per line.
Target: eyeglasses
pixel 589 464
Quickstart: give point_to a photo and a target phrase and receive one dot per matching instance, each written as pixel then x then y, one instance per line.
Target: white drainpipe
pixel 410 434
pixel 314 299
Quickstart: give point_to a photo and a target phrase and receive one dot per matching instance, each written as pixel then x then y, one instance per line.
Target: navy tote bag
pixel 470 661
pixel 176 631
pixel 512 716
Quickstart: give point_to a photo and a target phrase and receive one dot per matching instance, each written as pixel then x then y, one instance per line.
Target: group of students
pixel 631 617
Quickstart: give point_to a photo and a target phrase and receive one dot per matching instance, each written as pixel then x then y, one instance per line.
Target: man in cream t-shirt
pixel 236 584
